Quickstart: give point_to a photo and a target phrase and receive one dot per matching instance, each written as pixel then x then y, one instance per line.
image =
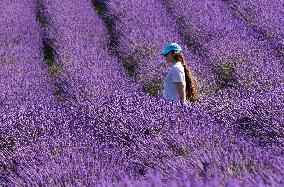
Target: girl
pixel 178 83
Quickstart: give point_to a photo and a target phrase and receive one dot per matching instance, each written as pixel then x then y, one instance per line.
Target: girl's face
pixel 169 57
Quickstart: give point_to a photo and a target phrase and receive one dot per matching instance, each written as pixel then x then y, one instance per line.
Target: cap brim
pixel 164 53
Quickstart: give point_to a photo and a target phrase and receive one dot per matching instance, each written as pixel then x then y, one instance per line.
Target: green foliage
pixel 130 64
pixel 49 56
pixel 204 89
pixel 234 169
pixel 7 144
pixel 57 92
pixel 153 87
pixel 41 15
pixel 55 70
pixel 225 74
pixel 42 18
pixel 99 6
pixel 280 50
pixel 179 151
pixel 49 53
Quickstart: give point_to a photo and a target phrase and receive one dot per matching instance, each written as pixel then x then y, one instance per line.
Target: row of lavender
pixel 264 17
pixel 24 84
pixel 113 133
pixel 23 79
pixel 27 100
pixel 26 96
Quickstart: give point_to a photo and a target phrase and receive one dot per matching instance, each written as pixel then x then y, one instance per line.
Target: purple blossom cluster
pixel 93 125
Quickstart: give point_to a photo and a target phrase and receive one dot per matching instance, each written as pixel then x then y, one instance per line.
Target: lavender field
pixel 81 93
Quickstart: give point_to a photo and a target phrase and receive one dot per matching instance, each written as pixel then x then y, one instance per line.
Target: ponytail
pixel 190 85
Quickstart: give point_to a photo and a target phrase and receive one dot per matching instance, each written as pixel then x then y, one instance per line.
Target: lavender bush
pixel 102 129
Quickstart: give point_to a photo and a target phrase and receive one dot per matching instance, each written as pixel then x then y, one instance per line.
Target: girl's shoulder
pixel 178 67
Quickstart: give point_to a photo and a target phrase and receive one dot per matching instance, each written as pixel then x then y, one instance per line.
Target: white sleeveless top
pixel 175 74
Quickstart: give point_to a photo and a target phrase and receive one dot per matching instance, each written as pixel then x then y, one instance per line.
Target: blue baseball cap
pixel 171 47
